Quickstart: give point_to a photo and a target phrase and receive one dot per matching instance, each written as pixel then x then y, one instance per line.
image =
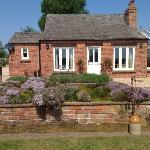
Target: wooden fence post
pixel 0 74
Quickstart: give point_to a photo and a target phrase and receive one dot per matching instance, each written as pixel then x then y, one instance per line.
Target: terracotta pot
pixel 135 124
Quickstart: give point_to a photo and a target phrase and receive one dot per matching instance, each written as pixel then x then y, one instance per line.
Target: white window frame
pixel 99 55
pixel 24 58
pixel 120 59
pixel 148 68
pixel 60 59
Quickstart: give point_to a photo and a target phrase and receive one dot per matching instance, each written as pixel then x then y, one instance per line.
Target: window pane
pixel 96 55
pixel 25 55
pixel 71 58
pixel 24 50
pixel 56 58
pixel 63 58
pixel 91 55
pixel 116 57
pixel 123 57
pixel 130 58
pixel 148 58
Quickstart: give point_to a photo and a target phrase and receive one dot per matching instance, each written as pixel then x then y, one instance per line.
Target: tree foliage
pixel 3 53
pixel 28 29
pixel 61 7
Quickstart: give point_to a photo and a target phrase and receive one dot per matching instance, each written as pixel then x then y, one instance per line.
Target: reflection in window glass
pixel 91 55
pixel 148 58
pixel 123 57
pixel 96 55
pixel 130 58
pixel 63 58
pixel 116 57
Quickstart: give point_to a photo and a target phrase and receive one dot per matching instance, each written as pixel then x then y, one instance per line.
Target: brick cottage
pixel 70 39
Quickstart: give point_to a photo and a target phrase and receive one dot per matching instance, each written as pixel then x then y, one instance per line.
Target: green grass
pixel 111 143
pixel 82 78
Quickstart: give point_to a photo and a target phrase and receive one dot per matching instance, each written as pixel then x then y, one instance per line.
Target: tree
pixel 61 7
pixel 3 53
pixel 28 29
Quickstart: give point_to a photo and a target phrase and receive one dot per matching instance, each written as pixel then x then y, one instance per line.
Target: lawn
pixel 101 143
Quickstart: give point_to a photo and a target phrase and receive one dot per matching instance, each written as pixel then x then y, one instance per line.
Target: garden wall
pixel 81 113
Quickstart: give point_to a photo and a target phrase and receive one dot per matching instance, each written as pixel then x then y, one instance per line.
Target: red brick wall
pixel 18 67
pixel 81 113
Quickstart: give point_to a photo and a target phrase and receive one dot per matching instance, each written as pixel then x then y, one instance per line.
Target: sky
pixel 16 14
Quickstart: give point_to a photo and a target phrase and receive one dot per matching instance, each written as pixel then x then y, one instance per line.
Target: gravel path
pixel 65 135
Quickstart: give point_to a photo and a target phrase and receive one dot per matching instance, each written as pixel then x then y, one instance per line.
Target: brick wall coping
pixel 70 104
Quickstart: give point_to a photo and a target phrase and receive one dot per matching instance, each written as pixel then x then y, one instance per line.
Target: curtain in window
pixel 71 58
pixel 130 57
pixel 57 58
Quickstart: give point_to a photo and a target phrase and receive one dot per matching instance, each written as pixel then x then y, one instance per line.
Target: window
pixel 93 55
pixel 64 59
pixel 148 58
pixel 25 53
pixel 124 58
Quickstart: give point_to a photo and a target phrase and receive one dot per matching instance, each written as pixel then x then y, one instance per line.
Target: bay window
pixel 63 59
pixel 124 58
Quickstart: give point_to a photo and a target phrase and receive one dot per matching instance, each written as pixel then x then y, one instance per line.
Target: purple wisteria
pixel 4 100
pixel 133 93
pixel 38 100
pixel 12 92
pixel 35 83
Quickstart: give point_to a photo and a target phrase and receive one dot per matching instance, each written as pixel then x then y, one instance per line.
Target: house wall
pixel 19 67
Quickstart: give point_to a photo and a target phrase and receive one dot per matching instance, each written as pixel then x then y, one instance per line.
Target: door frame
pixel 99 56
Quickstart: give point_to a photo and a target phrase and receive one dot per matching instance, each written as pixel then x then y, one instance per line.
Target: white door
pixel 94 60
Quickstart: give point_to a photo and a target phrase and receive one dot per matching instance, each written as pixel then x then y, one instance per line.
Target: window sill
pixel 25 61
pixel 124 71
pixel 63 72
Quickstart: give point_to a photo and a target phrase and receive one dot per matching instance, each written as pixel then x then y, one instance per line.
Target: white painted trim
pixel 99 56
pixel 60 59
pixel 22 57
pixel 120 59
pixel 148 68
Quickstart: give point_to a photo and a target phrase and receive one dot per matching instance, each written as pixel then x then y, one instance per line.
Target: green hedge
pixel 81 78
pixel 21 79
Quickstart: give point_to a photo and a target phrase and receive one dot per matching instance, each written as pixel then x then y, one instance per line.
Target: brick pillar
pixel 81 54
pixel 141 59
pixel 107 52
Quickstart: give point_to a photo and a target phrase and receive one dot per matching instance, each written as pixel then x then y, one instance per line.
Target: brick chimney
pixel 130 15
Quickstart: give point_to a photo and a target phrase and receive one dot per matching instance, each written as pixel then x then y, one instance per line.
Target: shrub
pixel 23 98
pixel 120 97
pixel 82 78
pixel 71 93
pixel 100 92
pixel 84 96
pixel 21 79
